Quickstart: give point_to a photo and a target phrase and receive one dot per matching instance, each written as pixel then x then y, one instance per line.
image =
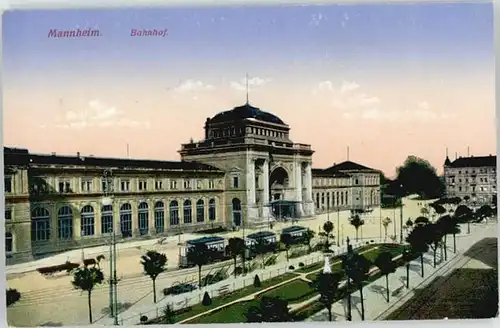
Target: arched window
pixel 211 210
pixel 346 196
pixel 200 211
pixel 317 200
pixel 65 223
pixel 9 242
pixel 107 219
pixel 328 205
pixel 236 209
pixel 173 209
pixel 322 199
pixel 143 218
pixel 188 211
pixel 126 220
pixel 40 224
pixel 337 196
pixel 159 217
pixel 87 219
pixel 341 198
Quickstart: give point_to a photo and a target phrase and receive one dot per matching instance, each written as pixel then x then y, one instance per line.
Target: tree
pixel 386 266
pixel 417 176
pixel 168 316
pixel 448 226
pixel 153 264
pixel 327 285
pixel 286 239
pixel 357 268
pixel 236 246
pixel 308 236
pixel 483 212
pixel 419 243
pixel 328 228
pixel 356 222
pixel 86 278
pixel 407 258
pixel 199 256
pixel 256 281
pixel 206 299
pixel 463 214
pixel 434 236
pixel 270 309
pixel 385 223
pixel 12 296
pixel 422 220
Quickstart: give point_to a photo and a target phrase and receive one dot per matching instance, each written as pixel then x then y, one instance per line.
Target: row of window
pixel 473 188
pixel 473 171
pixel 239 131
pixel 334 199
pixel 87 185
pixel 40 219
pixel 472 180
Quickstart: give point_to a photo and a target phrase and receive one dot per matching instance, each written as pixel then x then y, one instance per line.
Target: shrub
pixel 372 241
pixel 143 318
pixel 291 267
pixel 301 264
pixel 256 281
pixel 238 270
pixel 12 296
pixel 68 266
pixel 367 242
pixel 206 299
pixel 178 289
pixel 271 261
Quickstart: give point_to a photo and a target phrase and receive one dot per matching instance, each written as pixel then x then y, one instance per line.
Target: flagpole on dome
pixel 246 81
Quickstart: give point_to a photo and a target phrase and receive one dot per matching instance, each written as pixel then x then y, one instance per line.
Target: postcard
pixel 244 164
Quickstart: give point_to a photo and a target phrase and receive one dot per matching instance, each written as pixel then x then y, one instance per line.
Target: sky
pixel 385 80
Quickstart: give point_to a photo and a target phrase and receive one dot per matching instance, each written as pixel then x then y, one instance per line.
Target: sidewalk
pixel 374 294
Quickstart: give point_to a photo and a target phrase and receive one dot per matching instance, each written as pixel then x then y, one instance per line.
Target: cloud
pixel 192 85
pixel 98 114
pixel 252 83
pixel 355 104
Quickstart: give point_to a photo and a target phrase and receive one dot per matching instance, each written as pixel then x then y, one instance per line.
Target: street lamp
pixel 401 218
pixel 349 254
pixel 108 201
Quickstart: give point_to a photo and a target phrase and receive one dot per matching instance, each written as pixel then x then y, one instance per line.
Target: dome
pixel 244 112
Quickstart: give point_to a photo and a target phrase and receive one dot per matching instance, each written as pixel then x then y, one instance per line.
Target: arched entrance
pixel 236 210
pixel 278 181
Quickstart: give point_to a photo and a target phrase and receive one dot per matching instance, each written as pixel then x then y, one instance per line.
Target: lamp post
pixel 349 254
pixel 401 219
pixel 338 227
pixel 108 201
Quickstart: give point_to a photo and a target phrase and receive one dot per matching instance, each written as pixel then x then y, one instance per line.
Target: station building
pixel 245 172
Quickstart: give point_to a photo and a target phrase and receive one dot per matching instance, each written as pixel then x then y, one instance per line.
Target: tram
pixel 297 233
pixel 216 245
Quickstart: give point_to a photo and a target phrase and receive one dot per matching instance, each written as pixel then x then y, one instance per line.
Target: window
pixel 356 181
pixel 64 186
pixel 107 219
pixel 106 185
pixel 88 220
pixel 143 218
pixel 9 241
pixel 211 210
pixel 158 185
pixel 143 185
pixel 211 184
pixel 235 182
pixel 86 185
pixel 173 184
pixel 65 223
pixel 187 184
pixel 199 184
pixel 173 208
pixel 187 211
pixel 8 183
pixel 126 220
pixel 40 224
pixel 8 214
pixel 159 217
pixel 125 185
pixel 200 211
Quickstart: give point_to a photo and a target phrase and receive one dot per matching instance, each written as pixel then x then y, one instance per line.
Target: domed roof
pixel 246 111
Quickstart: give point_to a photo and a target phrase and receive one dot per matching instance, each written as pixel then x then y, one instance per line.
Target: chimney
pixel 456 155
pixel 78 154
pixel 53 153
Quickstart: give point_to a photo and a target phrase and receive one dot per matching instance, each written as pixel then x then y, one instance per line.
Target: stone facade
pixel 474 177
pixel 237 176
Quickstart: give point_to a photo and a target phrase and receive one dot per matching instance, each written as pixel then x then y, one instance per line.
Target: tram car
pixel 266 237
pixel 216 245
pixel 297 233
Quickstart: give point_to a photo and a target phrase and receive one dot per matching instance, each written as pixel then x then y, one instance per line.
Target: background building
pixel 474 177
pixel 245 172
